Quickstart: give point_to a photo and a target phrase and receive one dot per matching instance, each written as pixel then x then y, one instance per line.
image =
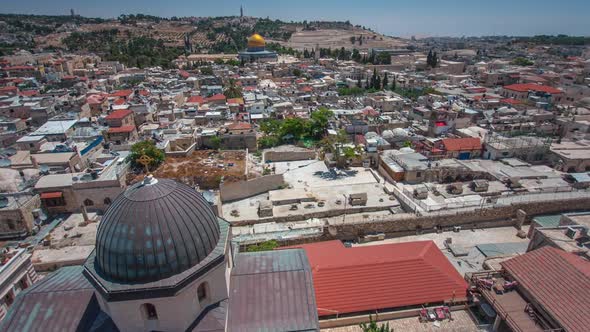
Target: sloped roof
pixel 462 144
pixel 532 87
pixel 217 97
pixel 63 301
pixel 559 281
pixel 368 278
pixel 122 93
pixel 195 100
pixel 272 291
pixel 123 129
pixel 118 114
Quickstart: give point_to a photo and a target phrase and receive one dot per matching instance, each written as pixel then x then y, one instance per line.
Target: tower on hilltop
pixel 241 11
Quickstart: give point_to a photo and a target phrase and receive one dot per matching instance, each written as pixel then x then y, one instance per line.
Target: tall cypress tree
pixel 385 82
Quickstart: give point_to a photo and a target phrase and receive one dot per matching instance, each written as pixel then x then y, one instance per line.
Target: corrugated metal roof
pixel 272 291
pixel 548 221
pixel 368 278
pixel 502 249
pixel 558 281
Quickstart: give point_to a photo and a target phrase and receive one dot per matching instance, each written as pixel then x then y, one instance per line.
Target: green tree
pixel 215 142
pixel 352 39
pixel 319 122
pixel 385 82
pixel 268 141
pixel 233 90
pixel 264 246
pixel 270 126
pixel 207 70
pixel 524 62
pixel 374 327
pixel 295 127
pixel 147 148
pixel 356 55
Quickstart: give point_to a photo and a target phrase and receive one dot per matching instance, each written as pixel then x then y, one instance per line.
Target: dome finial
pixel 149 180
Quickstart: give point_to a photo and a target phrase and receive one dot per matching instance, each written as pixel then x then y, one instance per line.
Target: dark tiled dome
pixel 154 230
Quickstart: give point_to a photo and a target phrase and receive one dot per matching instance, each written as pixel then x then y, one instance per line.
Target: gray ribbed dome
pixel 154 230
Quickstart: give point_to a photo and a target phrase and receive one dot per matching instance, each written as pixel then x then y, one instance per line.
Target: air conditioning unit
pixel 570 232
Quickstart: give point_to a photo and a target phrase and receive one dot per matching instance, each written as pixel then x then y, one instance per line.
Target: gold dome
pixel 256 40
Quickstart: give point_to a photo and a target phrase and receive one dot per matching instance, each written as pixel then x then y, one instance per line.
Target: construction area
pixel 205 168
pixel 68 244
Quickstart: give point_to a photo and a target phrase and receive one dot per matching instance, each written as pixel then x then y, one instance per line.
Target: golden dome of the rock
pixel 256 40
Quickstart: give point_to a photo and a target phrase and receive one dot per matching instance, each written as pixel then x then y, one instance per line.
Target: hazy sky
pixel 393 17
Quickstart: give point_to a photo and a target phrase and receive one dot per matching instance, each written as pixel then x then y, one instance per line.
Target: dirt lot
pixel 205 168
pixel 336 38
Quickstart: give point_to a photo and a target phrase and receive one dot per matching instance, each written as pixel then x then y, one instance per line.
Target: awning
pixel 54 194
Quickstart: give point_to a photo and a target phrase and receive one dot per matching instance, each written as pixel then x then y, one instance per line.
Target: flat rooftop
pixel 462 322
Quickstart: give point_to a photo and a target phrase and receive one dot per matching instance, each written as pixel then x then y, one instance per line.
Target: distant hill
pixel 203 34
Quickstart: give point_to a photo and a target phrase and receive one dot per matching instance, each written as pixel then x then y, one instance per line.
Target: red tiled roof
pixel 122 93
pixel 368 278
pixel 239 126
pixel 462 144
pixel 19 68
pixel 54 194
pixel 239 101
pixel 559 281
pixel 119 101
pixel 118 114
pixel 532 87
pixel 28 93
pixel 184 74
pixel 217 97
pixel 476 89
pixel 195 100
pixel 144 93
pixel 123 129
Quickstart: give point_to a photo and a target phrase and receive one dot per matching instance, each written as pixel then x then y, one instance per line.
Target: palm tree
pixel 233 90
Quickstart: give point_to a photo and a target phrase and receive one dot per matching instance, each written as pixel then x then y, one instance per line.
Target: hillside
pixel 217 34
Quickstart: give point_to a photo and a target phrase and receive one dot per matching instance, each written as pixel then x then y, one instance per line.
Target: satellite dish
pixel 44 169
pixel 5 162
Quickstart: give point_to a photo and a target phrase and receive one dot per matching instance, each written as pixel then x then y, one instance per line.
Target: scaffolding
pixel 527 148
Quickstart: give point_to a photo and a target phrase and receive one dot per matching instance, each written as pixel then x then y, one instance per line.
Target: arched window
pixel 148 311
pixel 203 292
pixel 88 202
pixel 107 201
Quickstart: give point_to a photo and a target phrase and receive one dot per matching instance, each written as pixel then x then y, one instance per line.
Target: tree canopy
pixel 149 149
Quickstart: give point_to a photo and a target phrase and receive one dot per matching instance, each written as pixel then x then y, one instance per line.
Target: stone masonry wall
pixel 244 189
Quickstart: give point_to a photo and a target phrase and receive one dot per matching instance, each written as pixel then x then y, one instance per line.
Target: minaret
pixel 241 11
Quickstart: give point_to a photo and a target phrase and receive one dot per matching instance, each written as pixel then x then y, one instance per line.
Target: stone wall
pixel 244 189
pixel 408 223
pixel 276 156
